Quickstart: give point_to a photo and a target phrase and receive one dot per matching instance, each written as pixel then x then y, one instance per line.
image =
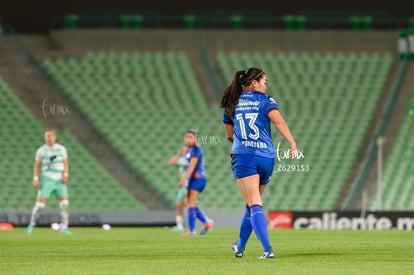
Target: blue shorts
pixel 245 165
pixel 197 184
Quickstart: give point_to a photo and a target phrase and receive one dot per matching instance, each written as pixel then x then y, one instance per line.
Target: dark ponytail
pixel 232 93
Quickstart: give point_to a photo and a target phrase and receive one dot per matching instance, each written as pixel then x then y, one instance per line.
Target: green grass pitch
pixel 160 251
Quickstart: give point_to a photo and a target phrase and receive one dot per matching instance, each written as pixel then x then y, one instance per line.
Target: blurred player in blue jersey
pixel 180 161
pixel 195 180
pixel 248 112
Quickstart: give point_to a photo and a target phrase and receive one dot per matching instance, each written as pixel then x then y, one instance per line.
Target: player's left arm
pixel 190 170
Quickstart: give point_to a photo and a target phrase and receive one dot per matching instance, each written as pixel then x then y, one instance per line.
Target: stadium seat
pixel 236 21
pixel 189 21
pixel 288 21
pixel 71 21
pixel 410 23
pixel 361 22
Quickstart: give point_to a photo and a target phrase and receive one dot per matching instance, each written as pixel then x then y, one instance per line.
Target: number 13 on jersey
pixel 250 119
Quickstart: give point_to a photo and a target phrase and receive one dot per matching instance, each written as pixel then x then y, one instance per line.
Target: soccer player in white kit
pixel 50 175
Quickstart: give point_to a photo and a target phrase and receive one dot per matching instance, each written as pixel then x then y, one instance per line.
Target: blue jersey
pixel 252 134
pixel 196 151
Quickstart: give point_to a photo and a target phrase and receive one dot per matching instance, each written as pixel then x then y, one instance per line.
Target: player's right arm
pixel 173 161
pixel 36 169
pixel 229 129
pixel 36 172
pixel 276 117
pixel 190 170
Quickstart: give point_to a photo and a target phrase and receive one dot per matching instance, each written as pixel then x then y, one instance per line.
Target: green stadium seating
pixel 189 21
pixel 410 23
pixel 92 188
pixel 361 22
pixel 236 21
pixel 131 21
pixel 292 22
pixel 144 101
pixel 398 176
pixel 71 21
pixel 328 100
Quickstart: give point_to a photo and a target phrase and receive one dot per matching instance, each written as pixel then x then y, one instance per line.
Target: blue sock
pixel 200 215
pixel 192 216
pixel 245 229
pixel 258 220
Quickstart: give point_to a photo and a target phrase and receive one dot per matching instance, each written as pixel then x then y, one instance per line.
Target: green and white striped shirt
pixel 51 159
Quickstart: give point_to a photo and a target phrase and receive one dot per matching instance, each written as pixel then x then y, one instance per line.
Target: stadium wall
pixel 222 219
pixel 80 41
pixel 314 220
pixel 37 15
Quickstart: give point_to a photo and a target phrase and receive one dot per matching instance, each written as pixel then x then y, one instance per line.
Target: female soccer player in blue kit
pixel 196 181
pixel 247 115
